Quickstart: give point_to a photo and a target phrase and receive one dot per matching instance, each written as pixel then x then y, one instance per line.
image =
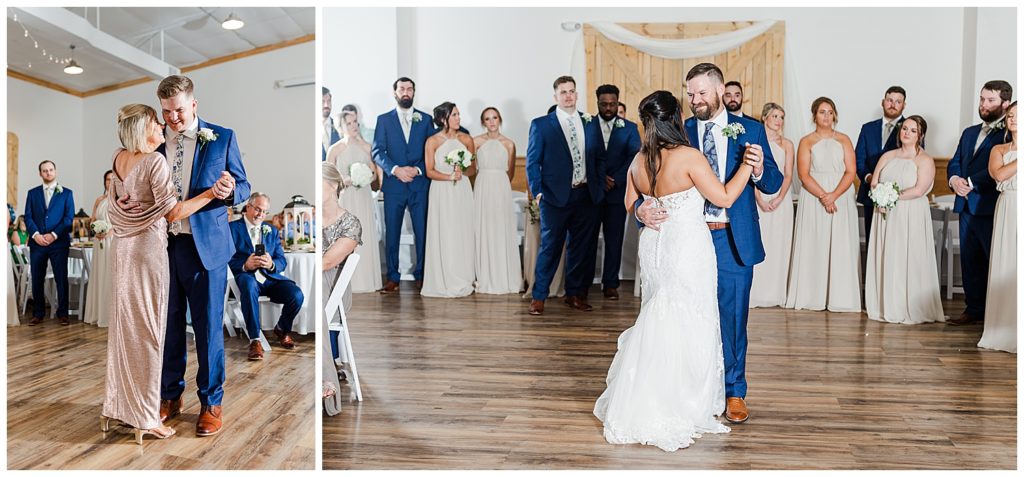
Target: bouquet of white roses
pixel 459 158
pixel 100 227
pixel 361 175
pixel 885 195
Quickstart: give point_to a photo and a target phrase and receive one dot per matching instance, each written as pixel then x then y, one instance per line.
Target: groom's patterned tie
pixel 712 154
pixel 578 173
pixel 176 167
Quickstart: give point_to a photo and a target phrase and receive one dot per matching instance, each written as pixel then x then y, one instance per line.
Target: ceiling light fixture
pixel 232 22
pixel 72 68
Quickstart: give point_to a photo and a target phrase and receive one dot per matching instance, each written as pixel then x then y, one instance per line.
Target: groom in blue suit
pixel 49 212
pixel 202 156
pixel 398 143
pixel 735 231
pixel 876 138
pixel 976 195
pixel 565 172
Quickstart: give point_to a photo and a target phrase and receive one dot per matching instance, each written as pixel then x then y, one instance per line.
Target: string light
pixel 35 43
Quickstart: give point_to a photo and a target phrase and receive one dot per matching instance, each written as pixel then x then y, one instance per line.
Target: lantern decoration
pixel 298 217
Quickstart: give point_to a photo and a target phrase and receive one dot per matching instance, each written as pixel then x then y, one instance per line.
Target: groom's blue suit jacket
pixel 210 224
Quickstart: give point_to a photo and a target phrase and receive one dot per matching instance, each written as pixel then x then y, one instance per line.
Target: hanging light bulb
pixel 72 68
pixel 232 22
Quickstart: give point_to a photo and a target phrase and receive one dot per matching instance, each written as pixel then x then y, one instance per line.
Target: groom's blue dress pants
pixel 734 281
pixel 202 291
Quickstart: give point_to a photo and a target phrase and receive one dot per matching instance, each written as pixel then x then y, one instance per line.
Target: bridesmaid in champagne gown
pixel 141 278
pixel 359 201
pixel 498 270
pixel 902 283
pixel 776 211
pixel 826 250
pixel 448 269
pixel 1001 302
pixel 97 295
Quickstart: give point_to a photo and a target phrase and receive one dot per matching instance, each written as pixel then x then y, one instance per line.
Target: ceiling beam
pixel 79 27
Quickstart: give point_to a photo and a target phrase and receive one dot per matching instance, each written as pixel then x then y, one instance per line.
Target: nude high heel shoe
pixel 104 423
pixel 153 432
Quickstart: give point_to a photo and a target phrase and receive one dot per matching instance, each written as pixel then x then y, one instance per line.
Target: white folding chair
pixel 953 255
pixel 23 273
pixel 233 317
pixel 337 321
pixel 940 219
pixel 81 279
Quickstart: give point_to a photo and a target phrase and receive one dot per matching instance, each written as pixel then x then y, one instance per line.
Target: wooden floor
pixel 55 380
pixel 476 383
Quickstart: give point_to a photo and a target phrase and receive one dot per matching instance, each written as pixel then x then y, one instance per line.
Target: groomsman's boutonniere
pixel 1000 125
pixel 265 229
pixel 417 117
pixel 733 130
pixel 58 189
pixel 619 123
pixel 586 118
pixel 205 135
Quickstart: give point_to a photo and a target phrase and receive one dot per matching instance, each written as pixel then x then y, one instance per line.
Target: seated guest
pixel 260 274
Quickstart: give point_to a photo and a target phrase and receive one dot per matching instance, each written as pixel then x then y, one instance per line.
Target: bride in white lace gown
pixel 666 383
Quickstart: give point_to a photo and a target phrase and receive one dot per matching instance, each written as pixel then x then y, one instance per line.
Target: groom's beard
pixel 405 102
pixel 704 111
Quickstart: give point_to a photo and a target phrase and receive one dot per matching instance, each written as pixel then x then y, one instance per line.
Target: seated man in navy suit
pixel 259 274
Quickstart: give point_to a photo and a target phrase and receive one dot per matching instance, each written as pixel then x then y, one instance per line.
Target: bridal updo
pixel 132 122
pixel 661 116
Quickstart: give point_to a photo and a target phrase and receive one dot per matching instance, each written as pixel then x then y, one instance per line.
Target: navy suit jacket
pixel 210 224
pixel 244 247
pixel 743 217
pixel 623 144
pixel 56 218
pixel 869 149
pixel 967 163
pixel 390 150
pixel 335 137
pixel 549 161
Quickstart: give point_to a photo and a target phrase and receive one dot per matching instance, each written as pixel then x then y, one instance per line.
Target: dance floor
pixel 476 383
pixel 55 380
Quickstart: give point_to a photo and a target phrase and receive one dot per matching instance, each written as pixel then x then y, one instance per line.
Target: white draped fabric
pixel 683 48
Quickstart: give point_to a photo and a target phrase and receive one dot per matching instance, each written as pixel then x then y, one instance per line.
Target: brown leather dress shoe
pixel 284 339
pixel 209 422
pixel 169 408
pixel 536 307
pixel 578 303
pixel 390 287
pixel 63 320
pixel 963 319
pixel 35 321
pixel 611 293
pixel 255 351
pixel 736 410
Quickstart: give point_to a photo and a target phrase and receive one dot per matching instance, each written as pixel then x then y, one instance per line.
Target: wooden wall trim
pixel 46 84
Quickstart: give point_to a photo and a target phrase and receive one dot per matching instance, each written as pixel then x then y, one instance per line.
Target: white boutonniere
pixel 995 127
pixel 58 189
pixel 732 131
pixel 619 123
pixel 205 135
pixel 417 117
pixel 265 229
pixel 586 118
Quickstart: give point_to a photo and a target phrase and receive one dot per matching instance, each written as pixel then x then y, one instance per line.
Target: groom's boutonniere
pixel 733 130
pixel 586 118
pixel 58 189
pixel 417 117
pixel 205 135
pixel 265 229
pixel 619 123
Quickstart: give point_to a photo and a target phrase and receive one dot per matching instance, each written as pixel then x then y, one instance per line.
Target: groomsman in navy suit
pixel 733 100
pixel 565 171
pixel 330 133
pixel 620 142
pixel 198 248
pixel 976 195
pixel 261 275
pixel 398 142
pixel 49 212
pixel 734 231
pixel 876 138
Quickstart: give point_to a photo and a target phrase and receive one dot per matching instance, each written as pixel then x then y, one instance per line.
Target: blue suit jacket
pixel 743 217
pixel 335 137
pixel 549 161
pixel 244 247
pixel 967 163
pixel 870 149
pixel 390 150
pixel 623 144
pixel 210 224
pixel 56 218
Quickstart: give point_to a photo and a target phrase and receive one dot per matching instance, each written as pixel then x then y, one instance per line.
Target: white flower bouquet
pixel 100 227
pixel 885 195
pixel 361 175
pixel 459 158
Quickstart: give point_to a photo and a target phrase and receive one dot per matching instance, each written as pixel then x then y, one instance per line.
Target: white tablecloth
pixel 301 267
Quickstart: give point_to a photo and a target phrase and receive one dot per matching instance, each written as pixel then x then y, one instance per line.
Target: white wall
pixel 507 57
pixel 359 58
pixel 49 126
pixel 996 55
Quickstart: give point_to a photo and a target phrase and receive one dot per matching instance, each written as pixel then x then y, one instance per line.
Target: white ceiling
pixel 191 35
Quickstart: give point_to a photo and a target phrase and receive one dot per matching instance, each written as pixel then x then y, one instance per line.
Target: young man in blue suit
pixel 49 212
pixel 398 142
pixel 261 275
pixel 621 142
pixel 734 231
pixel 330 133
pixel 976 195
pixel 876 138
pixel 565 172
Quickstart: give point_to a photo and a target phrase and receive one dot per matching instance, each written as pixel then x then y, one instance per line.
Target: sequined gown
pixel 347 226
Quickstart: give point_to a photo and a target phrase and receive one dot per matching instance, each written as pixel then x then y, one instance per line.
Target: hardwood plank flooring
pixel 55 381
pixel 476 383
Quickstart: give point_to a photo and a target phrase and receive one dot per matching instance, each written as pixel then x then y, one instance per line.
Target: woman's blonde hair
pixel 132 121
pixel 333 175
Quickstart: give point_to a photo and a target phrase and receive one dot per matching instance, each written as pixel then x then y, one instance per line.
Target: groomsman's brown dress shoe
pixel 611 293
pixel 284 339
pixel 736 410
pixel 169 408
pixel 63 320
pixel 35 321
pixel 578 303
pixel 537 307
pixel 255 351
pixel 963 319
pixel 389 287
pixel 209 422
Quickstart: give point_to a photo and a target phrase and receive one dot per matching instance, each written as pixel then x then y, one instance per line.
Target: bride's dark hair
pixel 663 129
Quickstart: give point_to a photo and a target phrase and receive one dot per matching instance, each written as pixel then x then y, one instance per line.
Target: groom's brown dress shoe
pixel 209 422
pixel 390 287
pixel 169 408
pixel 736 410
pixel 963 319
pixel 578 303
pixel 537 307
pixel 255 351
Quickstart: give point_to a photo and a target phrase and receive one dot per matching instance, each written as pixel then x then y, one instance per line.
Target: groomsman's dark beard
pixel 732 107
pixel 989 116
pixel 404 103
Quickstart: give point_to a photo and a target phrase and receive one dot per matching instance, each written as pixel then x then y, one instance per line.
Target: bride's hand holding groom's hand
pixel 224 186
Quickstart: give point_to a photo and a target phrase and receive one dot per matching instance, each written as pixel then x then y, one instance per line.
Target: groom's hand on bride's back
pixel 128 205
pixel 651 215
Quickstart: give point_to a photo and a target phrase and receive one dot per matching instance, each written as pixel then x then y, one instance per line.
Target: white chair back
pixel 81 279
pixel 334 310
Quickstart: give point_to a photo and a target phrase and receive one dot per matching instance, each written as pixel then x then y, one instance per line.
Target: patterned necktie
pixel 885 135
pixel 578 173
pixel 176 170
pixel 712 154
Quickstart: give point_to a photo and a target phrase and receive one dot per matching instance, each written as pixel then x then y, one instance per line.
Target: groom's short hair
pixel 563 80
pixel 172 85
pixel 706 68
